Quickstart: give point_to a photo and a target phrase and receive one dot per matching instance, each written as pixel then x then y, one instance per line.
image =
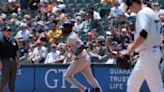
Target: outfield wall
pixel 49 78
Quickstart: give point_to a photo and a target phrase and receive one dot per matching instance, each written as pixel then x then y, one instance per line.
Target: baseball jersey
pixel 147 19
pixel 73 43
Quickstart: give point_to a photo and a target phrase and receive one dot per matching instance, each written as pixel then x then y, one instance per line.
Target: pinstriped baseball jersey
pixel 152 25
pixel 73 43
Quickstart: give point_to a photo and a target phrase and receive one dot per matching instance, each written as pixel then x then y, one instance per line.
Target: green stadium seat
pixel 96 1
pixel 70 1
pixel 80 1
pixel 89 1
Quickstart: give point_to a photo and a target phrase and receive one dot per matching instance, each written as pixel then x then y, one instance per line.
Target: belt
pixel 150 48
pixel 7 59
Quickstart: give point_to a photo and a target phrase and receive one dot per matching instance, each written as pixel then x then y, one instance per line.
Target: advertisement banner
pixel 50 78
pixel 113 79
pixel 24 80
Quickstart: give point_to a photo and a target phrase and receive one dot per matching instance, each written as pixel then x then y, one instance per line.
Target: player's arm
pixel 139 41
pixel 143 24
pixel 79 50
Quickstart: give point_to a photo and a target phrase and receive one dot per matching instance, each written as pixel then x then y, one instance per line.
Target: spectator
pixel 78 25
pixel 108 41
pixel 30 51
pixel 82 14
pixel 10 7
pixel 14 20
pixel 33 4
pixel 31 40
pixel 43 34
pixel 15 7
pixel 86 24
pixel 53 55
pixel 91 48
pixel 63 53
pixel 125 38
pixel 94 24
pixel 90 38
pixel 23 50
pixel 58 4
pixel 60 15
pixel 101 49
pixel 39 54
pixel 123 6
pixel 61 4
pixel 54 35
pixel 10 1
pixel 157 9
pixel 24 7
pixel 46 7
pixel 96 15
pixel 115 10
pixel 23 32
pixel 112 60
pixel 41 26
pixel 27 20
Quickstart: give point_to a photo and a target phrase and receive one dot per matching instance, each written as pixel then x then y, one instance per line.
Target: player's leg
pixel 152 71
pixel 136 78
pixel 74 68
pixel 162 70
pixel 162 66
pixel 90 78
pixel 5 75
pixel 12 75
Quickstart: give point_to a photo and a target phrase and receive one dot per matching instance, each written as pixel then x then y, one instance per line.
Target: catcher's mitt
pixel 123 61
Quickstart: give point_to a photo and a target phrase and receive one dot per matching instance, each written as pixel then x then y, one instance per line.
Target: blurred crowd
pixel 37 26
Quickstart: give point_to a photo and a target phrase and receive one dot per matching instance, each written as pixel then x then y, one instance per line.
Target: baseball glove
pixel 123 61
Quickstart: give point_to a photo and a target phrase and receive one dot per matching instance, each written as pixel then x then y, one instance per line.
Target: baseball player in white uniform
pixel 147 43
pixel 80 61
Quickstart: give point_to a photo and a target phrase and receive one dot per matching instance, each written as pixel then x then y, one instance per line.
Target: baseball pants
pixel 83 66
pixel 162 65
pixel 9 70
pixel 146 68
